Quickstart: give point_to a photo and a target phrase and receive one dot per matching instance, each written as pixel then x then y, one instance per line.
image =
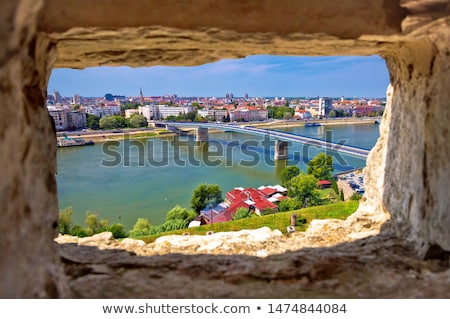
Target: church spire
pixel 141 96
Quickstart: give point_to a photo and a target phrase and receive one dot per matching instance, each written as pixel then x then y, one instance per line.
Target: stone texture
pixel 405 211
pixel 29 261
pixel 374 16
pixel 373 267
pixel 417 168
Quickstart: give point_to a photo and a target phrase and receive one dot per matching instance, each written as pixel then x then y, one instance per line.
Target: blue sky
pixel 259 75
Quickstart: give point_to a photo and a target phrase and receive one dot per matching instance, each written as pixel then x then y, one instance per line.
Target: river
pixel 122 181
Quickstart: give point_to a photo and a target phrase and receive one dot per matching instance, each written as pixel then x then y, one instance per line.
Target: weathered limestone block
pixel 375 267
pixel 417 167
pixel 371 213
pixel 29 260
pixel 251 242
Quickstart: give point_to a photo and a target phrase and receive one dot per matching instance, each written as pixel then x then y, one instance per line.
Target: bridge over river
pixel 281 138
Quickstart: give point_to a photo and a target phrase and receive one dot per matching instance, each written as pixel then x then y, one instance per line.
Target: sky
pixel 257 76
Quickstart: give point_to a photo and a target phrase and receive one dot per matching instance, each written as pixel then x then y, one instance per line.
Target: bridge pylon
pixel 201 134
pixel 281 150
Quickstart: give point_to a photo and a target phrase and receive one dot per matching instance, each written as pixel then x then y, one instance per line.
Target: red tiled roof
pixel 268 191
pixel 238 198
pixel 235 205
pixel 324 182
pixel 263 203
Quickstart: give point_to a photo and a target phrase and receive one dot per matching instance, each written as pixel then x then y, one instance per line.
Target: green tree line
pixel 111 122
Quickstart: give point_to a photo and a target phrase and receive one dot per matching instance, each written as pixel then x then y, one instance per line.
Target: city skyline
pixel 257 76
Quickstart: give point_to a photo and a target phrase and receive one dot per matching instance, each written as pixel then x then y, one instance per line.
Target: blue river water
pixel 123 181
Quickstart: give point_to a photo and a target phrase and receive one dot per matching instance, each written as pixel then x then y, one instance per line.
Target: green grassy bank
pixel 338 210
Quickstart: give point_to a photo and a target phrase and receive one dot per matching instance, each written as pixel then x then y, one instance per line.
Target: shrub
pixel 118 231
pixel 356 196
pixel 65 220
pixel 289 204
pixel 174 224
pixel 178 212
pixel 335 186
pixel 242 212
pixel 78 231
pixel 300 220
pixel 141 228
pixel 268 211
pixel 92 223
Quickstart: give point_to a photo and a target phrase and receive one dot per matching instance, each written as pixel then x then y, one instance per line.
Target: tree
pixel 121 121
pixel 280 112
pixel 93 225
pixel 108 123
pixel 205 194
pixel 287 174
pixel 304 188
pixel 332 113
pixel 177 212
pixel 93 121
pixel 321 166
pixel 65 220
pixel 138 120
pixel 141 228
pixel 200 119
pixel 191 116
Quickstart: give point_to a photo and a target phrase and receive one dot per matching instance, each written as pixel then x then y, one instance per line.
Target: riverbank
pixel 327 122
pixel 117 135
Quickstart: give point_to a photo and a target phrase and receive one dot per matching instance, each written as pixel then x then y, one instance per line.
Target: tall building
pixel 76 99
pixel 146 111
pixel 65 119
pixel 325 106
pixel 57 97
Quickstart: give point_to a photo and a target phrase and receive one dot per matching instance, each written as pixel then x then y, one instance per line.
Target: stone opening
pixel 408 168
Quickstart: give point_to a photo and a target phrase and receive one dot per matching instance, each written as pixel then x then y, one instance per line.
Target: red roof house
pixel 324 184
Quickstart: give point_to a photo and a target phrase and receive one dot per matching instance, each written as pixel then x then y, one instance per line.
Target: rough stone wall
pixel 29 262
pixel 417 165
pixel 371 213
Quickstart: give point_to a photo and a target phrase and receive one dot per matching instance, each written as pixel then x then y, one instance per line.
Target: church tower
pixel 141 97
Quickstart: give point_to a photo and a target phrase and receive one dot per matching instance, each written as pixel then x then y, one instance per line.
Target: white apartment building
pixel 244 114
pixel 211 114
pixel 163 111
pixel 325 106
pixel 101 111
pixel 146 111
